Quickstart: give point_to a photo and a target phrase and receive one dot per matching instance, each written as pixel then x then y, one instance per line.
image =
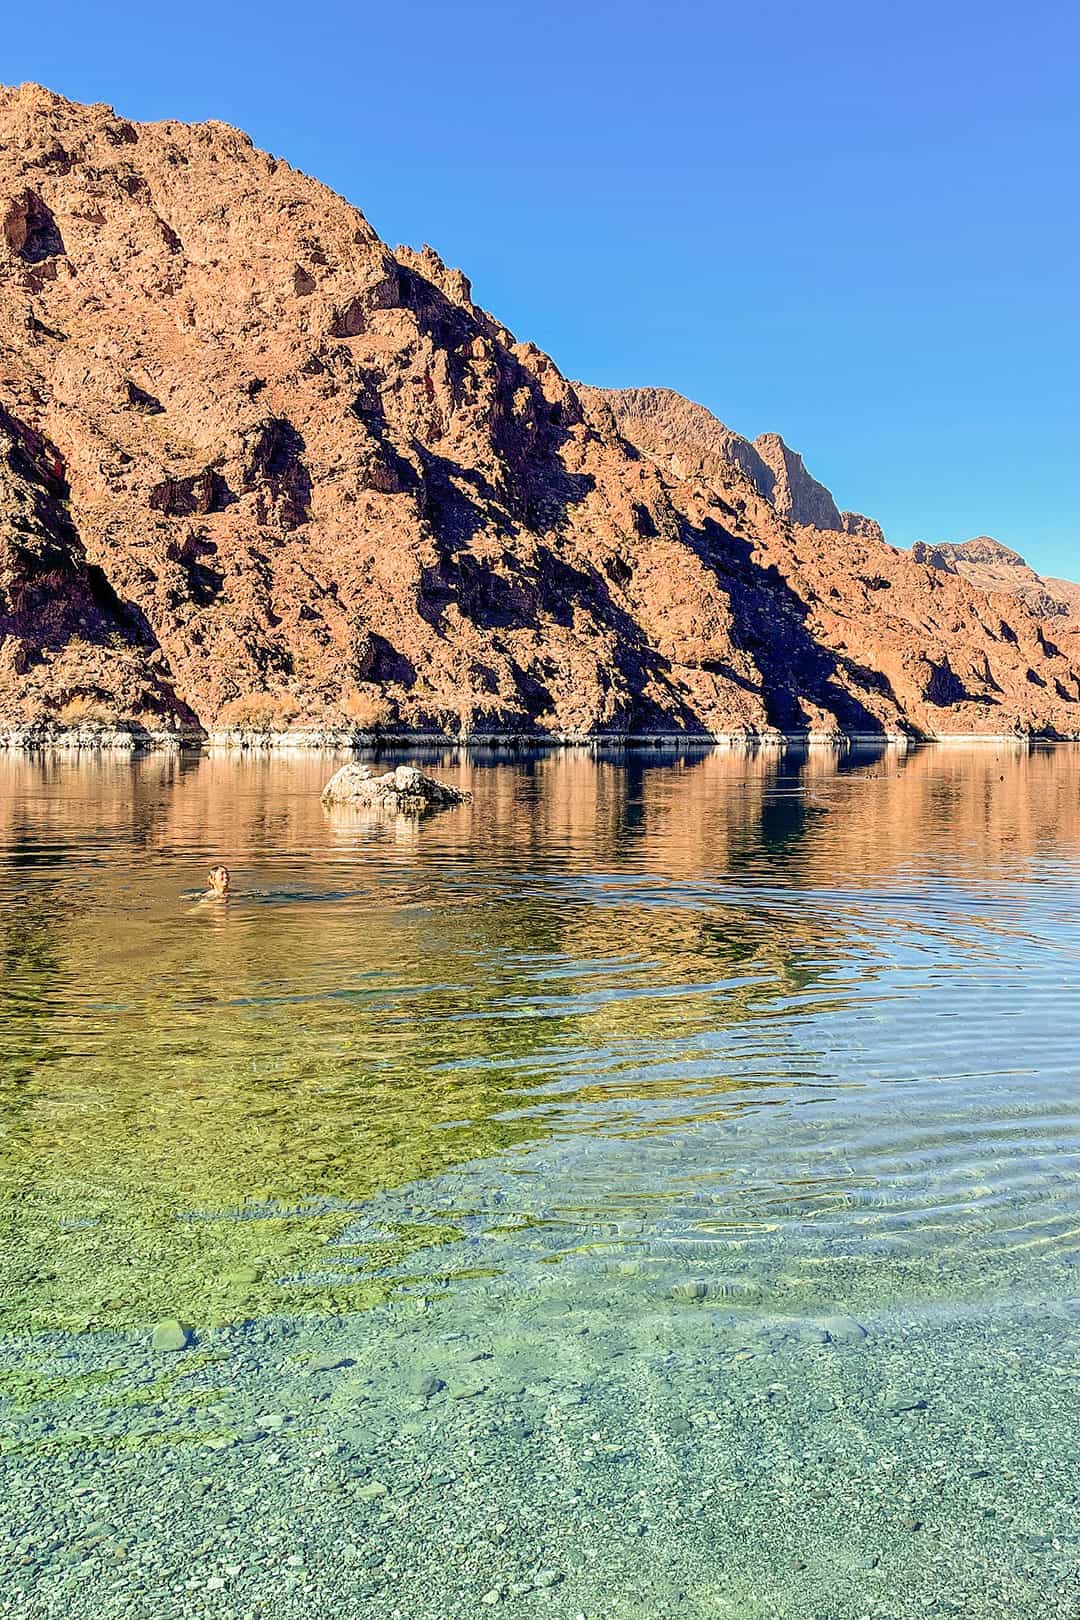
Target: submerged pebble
pixel 899 1401
pixel 171 1335
pixel 330 1363
pixel 844 1329
pixel 694 1289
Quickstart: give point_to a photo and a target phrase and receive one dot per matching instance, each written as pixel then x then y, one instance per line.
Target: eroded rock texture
pixel 937 640
pixel 251 455
pixel 405 790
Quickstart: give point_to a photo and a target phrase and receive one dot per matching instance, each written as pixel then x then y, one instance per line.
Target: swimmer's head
pixel 219 879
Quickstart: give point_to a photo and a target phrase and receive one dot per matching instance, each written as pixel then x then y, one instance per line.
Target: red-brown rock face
pixel 941 640
pixel 253 464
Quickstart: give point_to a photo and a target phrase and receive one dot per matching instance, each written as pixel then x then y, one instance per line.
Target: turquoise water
pixel 650 1190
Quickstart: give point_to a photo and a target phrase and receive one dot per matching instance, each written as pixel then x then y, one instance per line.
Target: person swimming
pixel 218 881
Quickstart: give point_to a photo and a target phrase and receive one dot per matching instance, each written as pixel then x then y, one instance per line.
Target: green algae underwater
pixel 196 1096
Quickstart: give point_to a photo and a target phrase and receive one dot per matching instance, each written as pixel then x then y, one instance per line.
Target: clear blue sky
pixel 856 224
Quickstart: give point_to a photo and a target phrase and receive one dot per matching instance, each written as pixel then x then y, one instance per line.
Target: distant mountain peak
pixel 983 548
pixel 992 567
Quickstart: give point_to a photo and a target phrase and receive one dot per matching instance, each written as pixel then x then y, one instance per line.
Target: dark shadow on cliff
pixel 770 623
pixel 51 595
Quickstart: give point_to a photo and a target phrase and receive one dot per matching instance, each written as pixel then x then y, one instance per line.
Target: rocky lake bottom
pixel 647 1191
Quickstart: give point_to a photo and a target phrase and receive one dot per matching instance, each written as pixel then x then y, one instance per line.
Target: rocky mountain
pixel 664 418
pixel 259 472
pixel 990 567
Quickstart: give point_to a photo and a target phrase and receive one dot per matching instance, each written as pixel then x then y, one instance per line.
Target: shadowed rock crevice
pixel 274 469
pixel 139 400
pixel 943 687
pixel 200 492
pixel 30 230
pixel 203 583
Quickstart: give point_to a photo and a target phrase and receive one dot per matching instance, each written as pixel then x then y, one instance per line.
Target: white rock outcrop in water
pixel 404 789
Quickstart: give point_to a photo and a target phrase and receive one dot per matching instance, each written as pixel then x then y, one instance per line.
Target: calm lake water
pixel 649 1191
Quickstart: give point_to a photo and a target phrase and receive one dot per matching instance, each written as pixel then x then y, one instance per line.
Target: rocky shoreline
pixel 121 740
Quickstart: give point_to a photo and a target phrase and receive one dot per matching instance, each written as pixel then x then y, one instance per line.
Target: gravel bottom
pixel 625 1450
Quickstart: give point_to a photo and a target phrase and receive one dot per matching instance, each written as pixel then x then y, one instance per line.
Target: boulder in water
pixel 405 789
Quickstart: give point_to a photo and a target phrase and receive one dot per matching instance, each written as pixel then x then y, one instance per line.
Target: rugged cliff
pixel 256 470
pixel 952 639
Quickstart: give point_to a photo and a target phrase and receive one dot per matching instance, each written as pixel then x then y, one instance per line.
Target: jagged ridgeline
pixel 258 472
